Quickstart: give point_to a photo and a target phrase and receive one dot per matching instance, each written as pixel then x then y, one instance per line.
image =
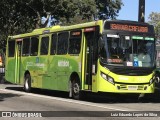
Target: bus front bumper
pixel 126 88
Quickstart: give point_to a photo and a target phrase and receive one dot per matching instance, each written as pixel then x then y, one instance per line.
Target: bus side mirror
pixel 156 63
pixel 156 53
pixel 101 42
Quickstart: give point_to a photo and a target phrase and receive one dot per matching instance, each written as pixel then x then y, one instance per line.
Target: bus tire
pixel 157 77
pixel 76 93
pixel 27 83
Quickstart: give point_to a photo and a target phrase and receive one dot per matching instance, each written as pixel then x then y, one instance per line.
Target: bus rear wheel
pixel 76 93
pixel 27 83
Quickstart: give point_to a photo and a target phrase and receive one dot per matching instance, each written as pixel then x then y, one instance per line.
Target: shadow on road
pixel 98 98
pixel 42 92
pixel 4 96
pixel 15 88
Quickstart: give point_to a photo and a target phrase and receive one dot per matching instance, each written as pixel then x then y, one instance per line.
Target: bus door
pixel 90 55
pixel 42 63
pixel 18 60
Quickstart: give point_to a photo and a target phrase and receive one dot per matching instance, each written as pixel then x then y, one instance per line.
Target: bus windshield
pixel 127 50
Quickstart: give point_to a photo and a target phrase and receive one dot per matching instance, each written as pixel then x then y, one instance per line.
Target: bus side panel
pixel 22 69
pixel 10 70
pixel 45 74
pixel 28 64
pixel 52 74
pixel 60 69
pixel 32 65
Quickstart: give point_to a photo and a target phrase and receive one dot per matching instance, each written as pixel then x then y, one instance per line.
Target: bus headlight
pixel 152 80
pixel 108 78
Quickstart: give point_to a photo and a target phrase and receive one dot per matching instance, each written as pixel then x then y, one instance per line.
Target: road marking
pixel 69 100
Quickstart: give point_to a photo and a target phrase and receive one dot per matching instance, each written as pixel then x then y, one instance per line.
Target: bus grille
pixel 124 87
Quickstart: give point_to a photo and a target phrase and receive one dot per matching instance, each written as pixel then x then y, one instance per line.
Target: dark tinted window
pixel 11 48
pixel 34 46
pixel 62 43
pixel 75 42
pixel 44 45
pixel 26 46
pixel 53 44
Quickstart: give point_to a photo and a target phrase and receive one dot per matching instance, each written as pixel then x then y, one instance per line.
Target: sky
pixel 130 9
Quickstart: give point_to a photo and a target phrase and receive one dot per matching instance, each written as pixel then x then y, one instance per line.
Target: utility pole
pixel 141 12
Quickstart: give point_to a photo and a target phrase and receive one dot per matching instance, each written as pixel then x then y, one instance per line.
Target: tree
pixel 19 16
pixel 154 19
pixel 109 7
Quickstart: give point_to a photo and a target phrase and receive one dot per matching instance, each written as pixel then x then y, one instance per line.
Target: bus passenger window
pixel 44 45
pixel 26 46
pixel 34 46
pixel 75 42
pixel 11 48
pixel 62 43
pixel 53 44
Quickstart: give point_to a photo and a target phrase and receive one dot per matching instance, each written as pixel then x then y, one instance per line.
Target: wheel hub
pixel 76 88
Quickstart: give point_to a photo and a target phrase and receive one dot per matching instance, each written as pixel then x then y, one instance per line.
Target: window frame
pixel 75 37
pixel 55 45
pixel 41 45
pixel 64 50
pixel 13 40
pixel 29 47
pixel 31 54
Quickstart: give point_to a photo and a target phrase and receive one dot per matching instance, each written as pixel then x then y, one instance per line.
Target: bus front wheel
pixel 27 83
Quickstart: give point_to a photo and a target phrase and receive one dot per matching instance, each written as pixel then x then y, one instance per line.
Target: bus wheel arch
pixel 157 75
pixel 27 81
pixel 74 86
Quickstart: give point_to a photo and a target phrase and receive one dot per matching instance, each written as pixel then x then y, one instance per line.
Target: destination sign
pixel 128 26
pixel 132 28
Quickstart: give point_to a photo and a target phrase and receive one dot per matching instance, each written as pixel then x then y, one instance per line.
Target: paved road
pixel 52 103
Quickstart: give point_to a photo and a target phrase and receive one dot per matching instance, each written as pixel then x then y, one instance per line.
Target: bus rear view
pixel 127 57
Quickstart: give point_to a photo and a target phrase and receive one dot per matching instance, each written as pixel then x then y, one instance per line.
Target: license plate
pixel 132 87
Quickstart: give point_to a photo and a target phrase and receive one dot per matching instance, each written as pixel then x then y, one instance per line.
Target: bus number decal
pixel 31 64
pixel 63 63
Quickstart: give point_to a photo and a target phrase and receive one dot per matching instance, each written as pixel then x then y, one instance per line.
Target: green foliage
pixel 154 18
pixel 109 7
pixel 19 16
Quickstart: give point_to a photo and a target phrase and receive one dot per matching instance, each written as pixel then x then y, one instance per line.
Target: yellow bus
pixel 99 56
pixel 158 63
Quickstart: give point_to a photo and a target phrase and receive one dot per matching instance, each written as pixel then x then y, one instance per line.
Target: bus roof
pixel 56 29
